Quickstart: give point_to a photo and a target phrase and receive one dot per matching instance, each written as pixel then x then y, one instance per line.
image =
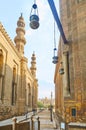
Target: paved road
pixel 45 121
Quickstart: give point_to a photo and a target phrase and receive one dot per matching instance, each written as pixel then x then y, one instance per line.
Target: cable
pixel 34 1
pixel 54 36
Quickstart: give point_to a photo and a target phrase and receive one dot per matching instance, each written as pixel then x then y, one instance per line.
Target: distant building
pixel 47 101
pixel 70 72
pixel 18 83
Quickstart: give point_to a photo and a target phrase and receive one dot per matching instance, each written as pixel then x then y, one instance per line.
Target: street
pixel 45 121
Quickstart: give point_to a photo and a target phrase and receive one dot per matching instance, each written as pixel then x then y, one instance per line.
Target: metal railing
pixel 30 123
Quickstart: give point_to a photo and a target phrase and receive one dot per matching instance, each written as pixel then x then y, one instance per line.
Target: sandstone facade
pixel 70 87
pixel 18 83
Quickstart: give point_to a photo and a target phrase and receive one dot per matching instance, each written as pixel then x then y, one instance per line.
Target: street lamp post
pixel 51 108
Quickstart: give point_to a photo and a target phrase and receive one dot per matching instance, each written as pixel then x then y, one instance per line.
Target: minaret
pixel 20 39
pixel 33 65
pixel 35 82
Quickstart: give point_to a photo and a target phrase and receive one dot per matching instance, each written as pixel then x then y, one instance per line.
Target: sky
pixel 40 41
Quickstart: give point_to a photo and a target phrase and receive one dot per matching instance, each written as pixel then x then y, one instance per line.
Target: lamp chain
pixel 34 1
pixel 54 36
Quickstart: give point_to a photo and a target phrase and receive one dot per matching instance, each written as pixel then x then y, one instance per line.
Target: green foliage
pixel 50 107
pixel 40 105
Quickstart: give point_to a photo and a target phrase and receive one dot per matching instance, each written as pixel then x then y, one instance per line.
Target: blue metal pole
pixel 55 14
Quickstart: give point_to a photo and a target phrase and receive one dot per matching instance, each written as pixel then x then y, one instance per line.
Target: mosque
pixel 18 83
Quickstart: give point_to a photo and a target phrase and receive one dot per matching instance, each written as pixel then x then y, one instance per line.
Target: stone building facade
pixel 70 71
pixel 47 102
pixel 18 83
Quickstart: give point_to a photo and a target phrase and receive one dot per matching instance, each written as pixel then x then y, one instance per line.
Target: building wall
pixel 72 58
pixel 16 80
pixel 77 126
pixel 10 60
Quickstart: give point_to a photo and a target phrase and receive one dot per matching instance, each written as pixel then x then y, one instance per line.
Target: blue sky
pixel 41 40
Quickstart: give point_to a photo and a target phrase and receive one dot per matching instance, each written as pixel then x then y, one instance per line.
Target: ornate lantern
pixel 55 57
pixel 34 18
pixel 61 70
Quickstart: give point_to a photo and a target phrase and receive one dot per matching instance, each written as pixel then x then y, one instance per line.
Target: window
pixel 14 74
pixel 74 112
pixel 14 86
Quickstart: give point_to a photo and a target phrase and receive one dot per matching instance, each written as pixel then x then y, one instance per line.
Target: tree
pixel 40 105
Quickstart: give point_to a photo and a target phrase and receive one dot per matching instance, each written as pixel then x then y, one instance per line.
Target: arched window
pixel 14 86
pixel 1 75
pixel 29 95
pixel 14 74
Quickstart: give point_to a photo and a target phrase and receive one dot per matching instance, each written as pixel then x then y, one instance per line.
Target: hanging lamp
pixel 34 18
pixel 61 70
pixel 55 57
